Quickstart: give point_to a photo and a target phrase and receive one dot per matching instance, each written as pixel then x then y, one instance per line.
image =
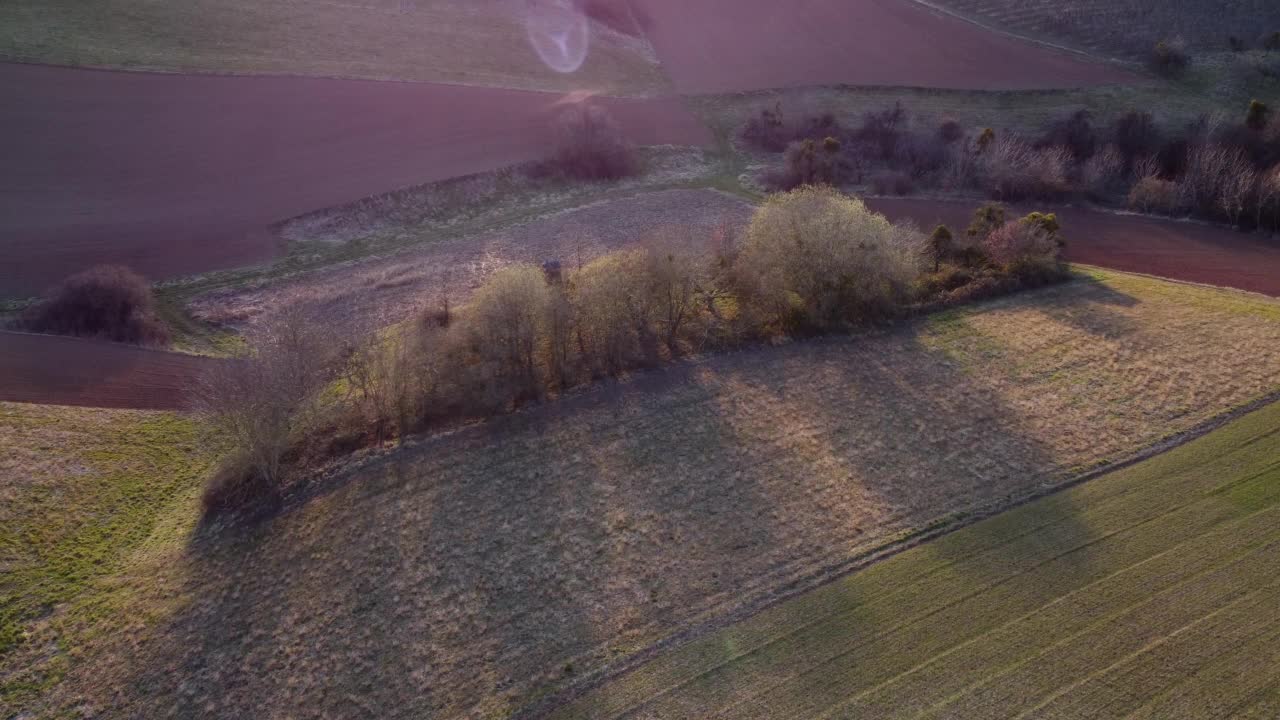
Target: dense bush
pixel 819 260
pixel 1256 118
pixel 1169 57
pixel 1075 133
pixel 941 245
pixel 107 302
pixel 809 162
pixel 1154 195
pixel 1136 136
pixel 591 146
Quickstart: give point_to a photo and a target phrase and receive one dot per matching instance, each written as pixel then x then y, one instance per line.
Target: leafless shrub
pixel 263 400
pixel 1152 194
pixel 1210 171
pixel 1268 205
pixel 1147 166
pixel 1016 171
pixel 1102 174
pixel 591 146
pixel 109 302
pixel 1237 191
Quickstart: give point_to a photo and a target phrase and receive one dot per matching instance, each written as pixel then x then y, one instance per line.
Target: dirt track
pixel 177 174
pixel 68 371
pixel 1179 250
pixel 712 46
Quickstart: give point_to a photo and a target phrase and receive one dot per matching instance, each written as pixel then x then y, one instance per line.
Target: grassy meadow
pixel 482 572
pixel 431 40
pixel 1148 593
pixel 84 491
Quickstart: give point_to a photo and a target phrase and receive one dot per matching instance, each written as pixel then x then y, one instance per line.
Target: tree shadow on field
pixel 486 571
pixel 1092 307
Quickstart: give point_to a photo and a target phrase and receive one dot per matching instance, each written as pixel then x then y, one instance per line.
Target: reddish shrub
pixel 1020 243
pixel 108 302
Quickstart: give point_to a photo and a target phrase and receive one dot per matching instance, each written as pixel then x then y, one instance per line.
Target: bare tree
pixel 1237 188
pixel 259 401
pixel 1268 194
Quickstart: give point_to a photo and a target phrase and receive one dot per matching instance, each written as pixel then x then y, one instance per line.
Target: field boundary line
pixel 825 576
pixel 6 59
pixel 1052 603
pixel 1017 36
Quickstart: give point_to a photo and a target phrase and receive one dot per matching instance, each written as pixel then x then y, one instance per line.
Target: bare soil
pixel 1181 250
pixel 176 175
pixel 716 46
pixel 54 370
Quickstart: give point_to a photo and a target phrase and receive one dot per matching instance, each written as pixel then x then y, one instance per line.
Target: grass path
pixel 1150 592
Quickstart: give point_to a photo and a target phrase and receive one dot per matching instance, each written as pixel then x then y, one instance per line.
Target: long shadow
pixel 496 569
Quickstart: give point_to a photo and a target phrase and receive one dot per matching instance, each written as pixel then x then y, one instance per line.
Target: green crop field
pixel 1149 593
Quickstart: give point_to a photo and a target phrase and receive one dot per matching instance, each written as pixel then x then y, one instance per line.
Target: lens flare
pixel 559 33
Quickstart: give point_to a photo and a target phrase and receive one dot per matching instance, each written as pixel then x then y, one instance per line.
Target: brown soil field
pixel 54 370
pixel 715 46
pixel 472 574
pixel 378 292
pixel 1181 250
pixel 176 175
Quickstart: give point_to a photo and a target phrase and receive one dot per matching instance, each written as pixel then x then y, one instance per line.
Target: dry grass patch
pixel 471 574
pixel 381 291
pixel 471 43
